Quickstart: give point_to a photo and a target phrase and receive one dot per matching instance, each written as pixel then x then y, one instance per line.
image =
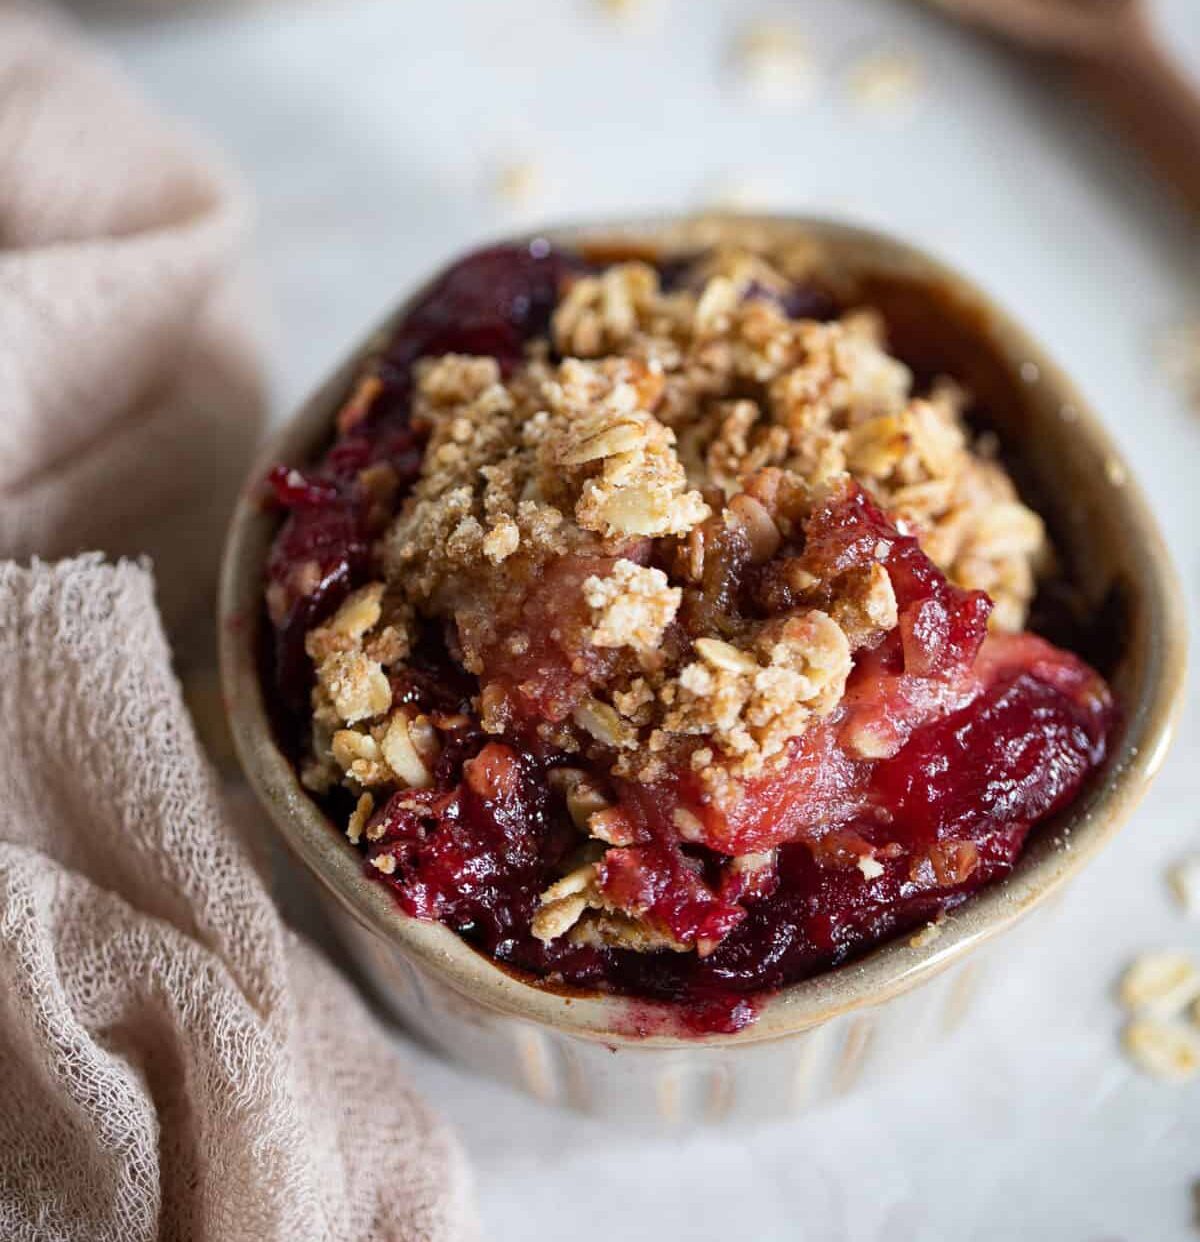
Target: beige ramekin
pixel 814 1038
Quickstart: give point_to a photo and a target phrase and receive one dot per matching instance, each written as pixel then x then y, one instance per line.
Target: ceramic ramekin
pixel 814 1038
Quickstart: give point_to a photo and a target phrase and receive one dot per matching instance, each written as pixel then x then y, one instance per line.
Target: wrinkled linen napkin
pixel 174 1062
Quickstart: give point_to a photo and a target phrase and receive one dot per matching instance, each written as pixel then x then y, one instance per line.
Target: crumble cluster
pixel 585 511
pixel 831 399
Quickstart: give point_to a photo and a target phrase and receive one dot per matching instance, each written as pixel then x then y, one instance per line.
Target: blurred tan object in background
pixel 1115 58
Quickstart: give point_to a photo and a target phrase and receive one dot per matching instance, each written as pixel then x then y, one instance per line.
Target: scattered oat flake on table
pixel 886 81
pixel 1184 879
pixel 1178 353
pixel 1167 1050
pixel 620 8
pixel 774 62
pixel 1161 984
pixel 736 193
pixel 518 182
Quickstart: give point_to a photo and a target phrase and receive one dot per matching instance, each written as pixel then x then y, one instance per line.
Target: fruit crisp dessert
pixel 659 631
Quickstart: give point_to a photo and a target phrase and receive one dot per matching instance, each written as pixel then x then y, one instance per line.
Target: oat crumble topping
pixel 590 498
pixel 631 607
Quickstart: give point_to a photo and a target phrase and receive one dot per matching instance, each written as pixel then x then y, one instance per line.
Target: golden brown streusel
pixel 754 699
pixel 576 906
pixel 834 400
pixel 584 504
pixel 631 607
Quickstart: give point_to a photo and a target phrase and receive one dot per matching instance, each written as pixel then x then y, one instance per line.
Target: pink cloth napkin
pixel 174 1062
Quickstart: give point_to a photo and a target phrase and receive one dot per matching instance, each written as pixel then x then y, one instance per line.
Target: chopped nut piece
pixel 714 308
pixel 582 796
pixel 587 805
pixel 578 881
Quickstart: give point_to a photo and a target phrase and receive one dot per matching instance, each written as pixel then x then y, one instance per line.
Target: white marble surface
pixel 370 131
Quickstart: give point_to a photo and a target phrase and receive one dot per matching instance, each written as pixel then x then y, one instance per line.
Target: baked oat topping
pixel 631 607
pixel 699 427
pixel 652 593
pixel 587 455
pixel 578 907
